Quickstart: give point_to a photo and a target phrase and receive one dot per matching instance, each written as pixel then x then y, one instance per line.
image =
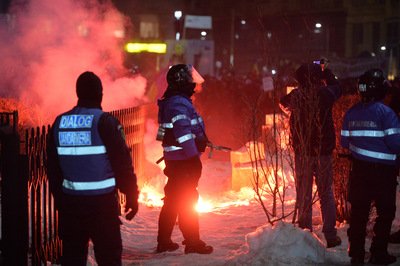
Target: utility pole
pixel 232 48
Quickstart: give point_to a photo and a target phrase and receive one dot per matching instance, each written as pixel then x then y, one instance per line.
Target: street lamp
pixel 318 29
pixel 178 26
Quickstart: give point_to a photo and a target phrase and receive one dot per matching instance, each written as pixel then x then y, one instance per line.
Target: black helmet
pixel 182 74
pixel 182 78
pixel 179 75
pixel 309 75
pixel 372 85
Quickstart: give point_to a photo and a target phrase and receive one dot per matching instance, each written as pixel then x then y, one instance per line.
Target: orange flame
pixel 151 197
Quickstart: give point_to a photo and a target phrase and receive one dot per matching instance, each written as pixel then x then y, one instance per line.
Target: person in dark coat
pixel 313 140
pixel 183 140
pixel 88 160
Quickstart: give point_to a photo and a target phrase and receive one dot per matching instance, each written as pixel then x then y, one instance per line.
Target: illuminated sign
pixel 134 47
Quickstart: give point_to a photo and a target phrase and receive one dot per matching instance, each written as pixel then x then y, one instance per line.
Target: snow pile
pixel 282 244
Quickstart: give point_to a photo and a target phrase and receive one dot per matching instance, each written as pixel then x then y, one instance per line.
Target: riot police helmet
pixel 182 78
pixel 182 74
pixel 372 85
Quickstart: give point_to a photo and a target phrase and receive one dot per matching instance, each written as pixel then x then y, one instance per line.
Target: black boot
pixel 357 254
pixel 168 246
pixel 395 238
pixel 330 243
pixel 357 261
pixel 197 247
pixel 382 259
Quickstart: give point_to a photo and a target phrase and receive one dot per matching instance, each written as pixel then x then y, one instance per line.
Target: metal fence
pixel 42 215
pixel 29 218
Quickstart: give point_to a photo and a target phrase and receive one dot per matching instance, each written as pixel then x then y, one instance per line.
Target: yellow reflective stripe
pixel 392 131
pixel 108 183
pixel 89 150
pixel 196 121
pixel 166 125
pixel 373 154
pixel 172 148
pixel 367 133
pixel 193 122
pixel 178 117
pixel 185 138
pixel 345 133
pixel 370 133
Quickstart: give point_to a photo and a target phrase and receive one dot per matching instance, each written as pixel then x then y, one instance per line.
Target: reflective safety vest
pixel 83 157
pixel 372 133
pixel 182 127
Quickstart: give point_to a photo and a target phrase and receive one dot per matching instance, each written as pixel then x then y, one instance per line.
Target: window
pixel 358 33
pixel 376 32
pixel 393 32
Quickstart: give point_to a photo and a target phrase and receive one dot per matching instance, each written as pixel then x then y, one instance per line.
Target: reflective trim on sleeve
pixel 90 150
pixel 193 122
pixel 166 125
pixel 370 133
pixel 373 154
pixel 367 133
pixel 185 138
pixel 392 131
pixel 196 121
pixel 345 133
pixel 171 148
pixel 178 117
pixel 108 183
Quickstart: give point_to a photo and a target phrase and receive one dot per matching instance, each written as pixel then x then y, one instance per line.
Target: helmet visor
pixel 197 78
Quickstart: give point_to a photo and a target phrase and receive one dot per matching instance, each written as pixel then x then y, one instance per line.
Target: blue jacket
pixel 183 128
pixel 82 154
pixel 371 131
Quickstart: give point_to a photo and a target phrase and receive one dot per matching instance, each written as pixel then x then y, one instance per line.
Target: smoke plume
pixel 46 44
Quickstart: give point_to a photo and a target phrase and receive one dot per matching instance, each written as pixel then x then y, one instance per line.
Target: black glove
pixel 329 77
pixel 131 205
pixel 201 143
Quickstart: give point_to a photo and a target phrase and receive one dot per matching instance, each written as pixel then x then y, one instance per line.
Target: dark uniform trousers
pixel 90 217
pixel 181 196
pixel 371 182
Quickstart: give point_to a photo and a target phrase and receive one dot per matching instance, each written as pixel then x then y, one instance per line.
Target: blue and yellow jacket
pixel 183 128
pixel 371 131
pixel 82 154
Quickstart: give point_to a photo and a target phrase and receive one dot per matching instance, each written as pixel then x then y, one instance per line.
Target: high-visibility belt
pixel 108 183
pixel 87 150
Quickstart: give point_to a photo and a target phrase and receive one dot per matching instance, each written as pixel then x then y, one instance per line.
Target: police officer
pixel 313 139
pixel 183 139
pixel 88 160
pixel 371 131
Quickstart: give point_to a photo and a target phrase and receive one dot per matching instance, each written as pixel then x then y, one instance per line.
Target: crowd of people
pixel 88 159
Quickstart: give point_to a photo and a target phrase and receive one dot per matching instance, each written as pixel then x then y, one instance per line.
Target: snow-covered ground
pixel 237 228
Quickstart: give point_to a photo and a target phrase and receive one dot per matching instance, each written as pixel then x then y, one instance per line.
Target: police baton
pixel 212 148
pixel 160 160
pixel 216 147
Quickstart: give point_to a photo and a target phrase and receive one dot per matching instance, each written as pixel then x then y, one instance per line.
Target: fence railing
pixel 13 169
pixel 133 121
pixel 44 242
pixel 29 217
